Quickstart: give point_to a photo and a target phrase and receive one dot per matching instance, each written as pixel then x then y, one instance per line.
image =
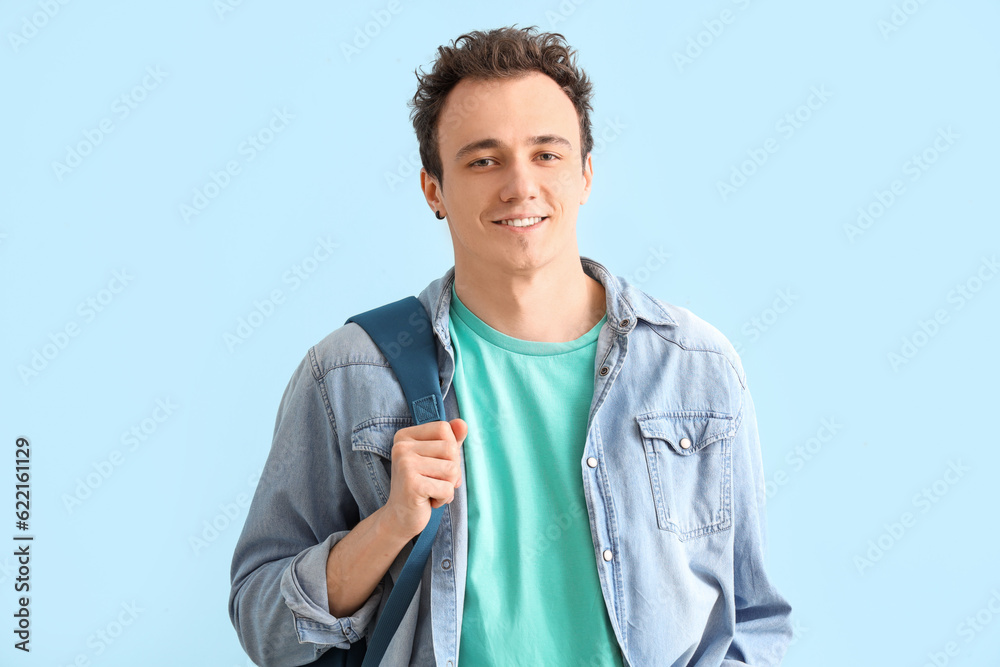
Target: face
pixel 509 148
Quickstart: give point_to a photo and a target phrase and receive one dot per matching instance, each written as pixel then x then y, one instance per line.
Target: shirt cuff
pixel 303 585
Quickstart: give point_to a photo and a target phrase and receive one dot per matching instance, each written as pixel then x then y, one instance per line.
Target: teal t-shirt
pixel 532 593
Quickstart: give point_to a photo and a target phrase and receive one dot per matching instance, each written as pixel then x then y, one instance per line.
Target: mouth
pixel 521 222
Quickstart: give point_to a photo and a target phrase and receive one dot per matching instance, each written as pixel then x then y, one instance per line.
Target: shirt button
pixel 446 563
pixel 604 371
pixel 592 462
pixel 623 323
pixel 685 443
pixel 607 554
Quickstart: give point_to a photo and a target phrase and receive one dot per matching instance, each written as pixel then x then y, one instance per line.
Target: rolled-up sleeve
pixel 763 617
pixel 301 508
pixel 303 586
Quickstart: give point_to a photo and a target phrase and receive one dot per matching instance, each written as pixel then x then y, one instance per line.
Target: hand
pixel 426 470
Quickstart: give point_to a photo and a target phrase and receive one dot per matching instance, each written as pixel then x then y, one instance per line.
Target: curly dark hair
pixel 496 54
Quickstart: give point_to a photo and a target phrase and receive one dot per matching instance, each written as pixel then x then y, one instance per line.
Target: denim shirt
pixel 672 477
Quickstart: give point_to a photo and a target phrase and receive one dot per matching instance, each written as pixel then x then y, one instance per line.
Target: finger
pixel 460 429
pixel 446 450
pixel 441 469
pixel 435 430
pixel 443 492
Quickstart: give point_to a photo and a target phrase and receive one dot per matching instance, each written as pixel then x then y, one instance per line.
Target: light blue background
pixel 671 133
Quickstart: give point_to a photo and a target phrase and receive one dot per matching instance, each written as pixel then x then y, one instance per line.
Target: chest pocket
pixel 690 462
pixel 372 441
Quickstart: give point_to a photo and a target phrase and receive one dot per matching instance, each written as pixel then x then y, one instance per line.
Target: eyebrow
pixel 496 143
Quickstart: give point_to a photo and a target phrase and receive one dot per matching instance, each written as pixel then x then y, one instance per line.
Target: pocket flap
pixel 696 430
pixel 376 435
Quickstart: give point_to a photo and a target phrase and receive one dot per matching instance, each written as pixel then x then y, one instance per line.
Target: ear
pixel 433 192
pixel 588 177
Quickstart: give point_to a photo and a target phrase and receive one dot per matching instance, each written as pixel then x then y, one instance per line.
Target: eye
pixel 478 163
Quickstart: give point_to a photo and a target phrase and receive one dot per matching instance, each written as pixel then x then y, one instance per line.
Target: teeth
pixel 522 222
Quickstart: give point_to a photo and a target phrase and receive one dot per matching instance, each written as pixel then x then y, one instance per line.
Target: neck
pixel 555 303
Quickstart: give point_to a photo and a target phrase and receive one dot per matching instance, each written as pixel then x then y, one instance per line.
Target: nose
pixel 521 181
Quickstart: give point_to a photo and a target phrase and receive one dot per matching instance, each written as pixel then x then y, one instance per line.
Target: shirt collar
pixel 625 302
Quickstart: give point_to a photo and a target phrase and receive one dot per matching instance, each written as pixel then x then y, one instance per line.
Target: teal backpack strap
pixel 403 332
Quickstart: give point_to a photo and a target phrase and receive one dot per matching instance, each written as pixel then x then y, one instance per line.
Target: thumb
pixel 459 428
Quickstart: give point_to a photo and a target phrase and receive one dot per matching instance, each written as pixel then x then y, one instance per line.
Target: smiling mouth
pixel 521 222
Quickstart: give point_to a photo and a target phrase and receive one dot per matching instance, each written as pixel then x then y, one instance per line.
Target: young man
pixel 603 487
